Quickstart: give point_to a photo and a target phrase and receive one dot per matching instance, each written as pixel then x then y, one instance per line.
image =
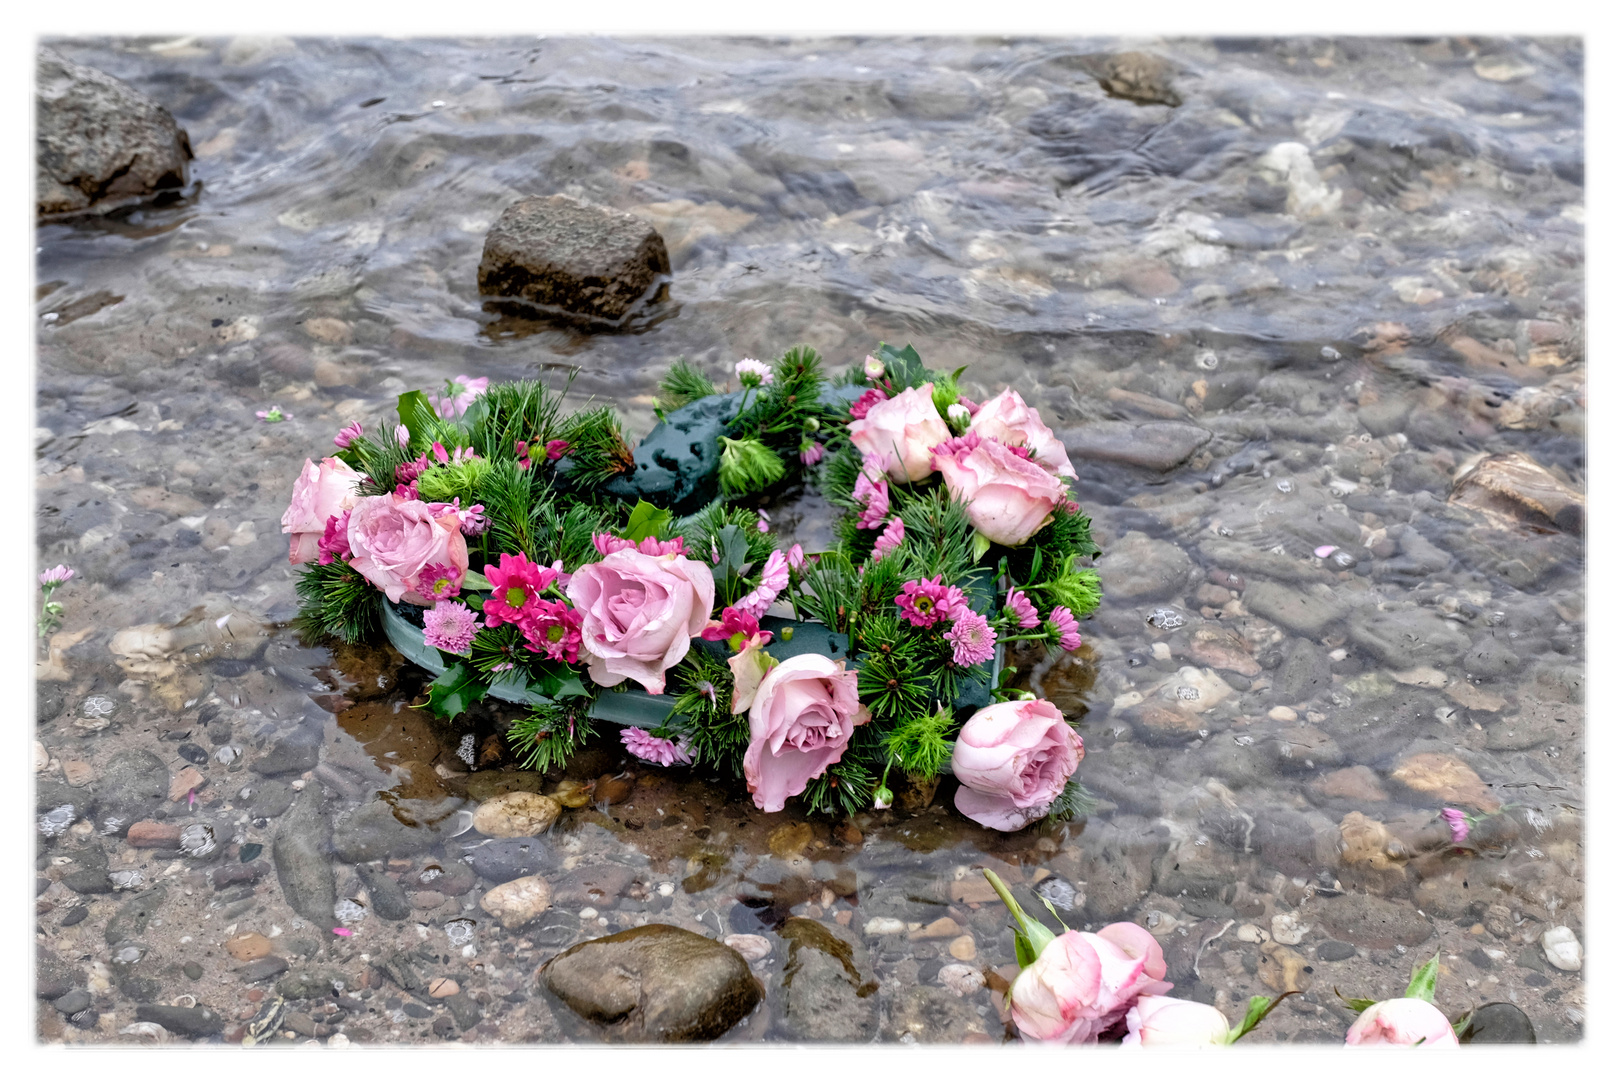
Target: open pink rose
pixel 803 714
pixel 1006 419
pixel 1401 1022
pixel 1013 758
pixel 1168 1021
pixel 320 492
pixel 1009 498
pixel 1077 988
pixel 906 427
pixel 393 539
pixel 641 613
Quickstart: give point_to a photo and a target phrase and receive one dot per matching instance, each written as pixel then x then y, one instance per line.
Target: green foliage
pixel 597 450
pixel 493 648
pixel 844 789
pixel 683 385
pixel 646 520
pixel 513 506
pixel 920 743
pixel 903 367
pixel 939 536
pixel 892 686
pixel 1074 802
pixel 746 465
pixel 567 535
pixel 1423 980
pixel 452 692
pixel 733 534
pixel 334 599
pixel 459 480
pixel 1079 590
pixel 1259 1008
pixel 550 734
pixel 831 591
pixel 511 411
pixel 418 416
pixel 379 459
pixel 717 737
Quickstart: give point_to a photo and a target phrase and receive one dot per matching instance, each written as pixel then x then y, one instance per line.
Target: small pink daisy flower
pixel 439 582
pixel 795 556
pixel 772 580
pixel 554 629
pixel 924 603
pixel 736 627
pixel 56 575
pixel 752 372
pixel 345 437
pixel 873 495
pixel 873 368
pixel 449 626
pixel 1068 630
pixel 972 639
pixel 403 435
pixel 891 538
pixel 1459 824
pixel 810 452
pixel 649 747
pixel 1020 608
pixel 764 522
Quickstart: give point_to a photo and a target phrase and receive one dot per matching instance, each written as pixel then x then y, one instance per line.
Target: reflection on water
pixel 1277 323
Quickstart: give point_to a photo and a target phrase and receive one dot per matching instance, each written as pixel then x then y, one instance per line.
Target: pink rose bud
pixel 1078 987
pixel 1013 759
pixel 1167 1021
pixel 1009 498
pixel 907 427
pixel 1008 420
pixel 1401 1022
pixel 321 492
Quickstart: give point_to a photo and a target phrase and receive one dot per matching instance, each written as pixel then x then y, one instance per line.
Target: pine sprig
pixel 379 460
pixel 1075 801
pixel 548 735
pixel 511 504
pixel 921 744
pixel 336 600
pixel 597 450
pixel 508 412
pixel 717 738
pixel 684 384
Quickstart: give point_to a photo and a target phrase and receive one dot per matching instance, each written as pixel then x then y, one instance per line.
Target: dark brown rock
pixel 100 143
pixel 655 983
pixel 559 254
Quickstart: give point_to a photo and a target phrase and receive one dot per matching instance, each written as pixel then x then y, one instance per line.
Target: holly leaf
pixel 646 520
pixel 903 366
pixel 415 412
pixel 1423 980
pixel 451 693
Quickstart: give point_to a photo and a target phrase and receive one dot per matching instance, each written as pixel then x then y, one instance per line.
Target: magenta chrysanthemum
pixel 924 603
pixel 891 538
pixel 1459 824
pixel 439 582
pixel 56 575
pixel 449 626
pixel 649 747
pixel 864 403
pixel 556 448
pixel 1063 623
pixel 1020 608
pixel 553 628
pixel 515 585
pixel 972 640
pixel 409 471
pixel 606 544
pixel 346 436
pixel 334 541
pixel 873 495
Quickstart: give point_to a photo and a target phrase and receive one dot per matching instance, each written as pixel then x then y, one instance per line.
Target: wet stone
pixel 655 983
pixel 1158 445
pixel 827 996
pixel 1498 1022
pixel 297 752
pixel 193 970
pixel 503 860
pixel 1332 951
pixel 132 917
pixel 387 898
pixel 193 1022
pixel 302 868
pixel 1405 639
pixel 258 970
pixel 1308 611
pixel 1139 567
pixel 271 798
pixel 1372 922
pixel 372 832
pixel 73 1001
pixel 133 783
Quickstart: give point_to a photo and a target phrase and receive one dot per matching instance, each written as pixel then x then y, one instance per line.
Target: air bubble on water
pixel 459 931
pixel 1285 486
pixel 55 822
pixel 1058 891
pixel 1345 559
pixel 1167 619
pixel 432 873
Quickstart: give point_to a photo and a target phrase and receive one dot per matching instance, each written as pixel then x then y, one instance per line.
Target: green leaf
pixel 415 412
pixel 1460 1025
pixel 451 693
pixel 1055 915
pixel 1259 1008
pixel 1423 980
pixel 733 545
pixel 646 520
pixel 1032 936
pixel 1356 1005
pixel 981 544
pixel 556 680
pixel 476 582
pixel 903 366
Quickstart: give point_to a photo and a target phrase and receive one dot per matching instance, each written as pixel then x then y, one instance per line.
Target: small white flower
pixel 752 372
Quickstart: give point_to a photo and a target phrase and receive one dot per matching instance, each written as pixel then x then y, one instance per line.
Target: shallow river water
pixel 1277 322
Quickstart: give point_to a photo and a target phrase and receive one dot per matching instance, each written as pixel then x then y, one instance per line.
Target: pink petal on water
pixel 342 931
pixel 1325 550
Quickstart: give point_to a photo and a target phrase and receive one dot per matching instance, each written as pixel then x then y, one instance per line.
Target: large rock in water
pixel 828 996
pixel 1159 445
pixel 100 142
pixel 655 983
pixel 559 254
pixel 302 867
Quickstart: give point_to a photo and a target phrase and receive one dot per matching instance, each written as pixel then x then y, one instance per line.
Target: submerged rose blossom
pixel 450 626
pixel 926 602
pixel 1068 631
pixel 649 747
pixel 893 536
pixel 972 640
pixel 1459 824
pixel 1020 608
pixel 347 435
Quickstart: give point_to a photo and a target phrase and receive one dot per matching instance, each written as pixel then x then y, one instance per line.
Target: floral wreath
pixel 638 587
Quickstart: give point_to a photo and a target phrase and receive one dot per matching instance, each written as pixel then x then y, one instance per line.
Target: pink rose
pixel 1013 759
pixel 1078 987
pixel 803 714
pixel 1008 420
pixel 393 539
pixel 1168 1021
pixel 320 492
pixel 641 613
pixel 906 427
pixel 1009 497
pixel 1401 1022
